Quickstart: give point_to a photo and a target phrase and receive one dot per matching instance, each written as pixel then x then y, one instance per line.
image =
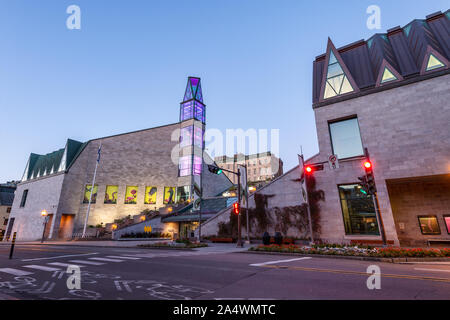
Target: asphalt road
pixel 39 272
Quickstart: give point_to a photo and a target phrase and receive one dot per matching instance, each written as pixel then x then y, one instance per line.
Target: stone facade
pixel 284 191
pixel 141 158
pixel 406 130
pixel 43 193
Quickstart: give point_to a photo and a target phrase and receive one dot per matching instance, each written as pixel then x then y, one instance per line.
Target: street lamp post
pixel 45 215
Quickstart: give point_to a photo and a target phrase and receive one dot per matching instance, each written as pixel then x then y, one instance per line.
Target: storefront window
pixel 346 138
pixel 183 194
pixel 150 195
pixel 131 195
pixel 169 195
pixel 358 211
pixel 87 193
pixel 429 225
pixel 111 194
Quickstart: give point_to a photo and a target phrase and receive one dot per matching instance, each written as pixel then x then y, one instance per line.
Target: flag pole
pixel 92 191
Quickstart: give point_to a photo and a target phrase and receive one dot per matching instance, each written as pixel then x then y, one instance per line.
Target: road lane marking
pixel 15 272
pixel 42 268
pixel 106 259
pixel 123 257
pixel 278 261
pixel 57 257
pixel 429 269
pixel 87 262
pixel 385 275
pixel 62 264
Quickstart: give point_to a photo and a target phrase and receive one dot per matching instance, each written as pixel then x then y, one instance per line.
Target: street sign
pixel 333 162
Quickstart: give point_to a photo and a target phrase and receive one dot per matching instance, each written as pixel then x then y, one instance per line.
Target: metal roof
pixel 404 49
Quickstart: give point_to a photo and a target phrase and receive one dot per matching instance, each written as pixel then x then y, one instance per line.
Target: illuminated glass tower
pixel 192 129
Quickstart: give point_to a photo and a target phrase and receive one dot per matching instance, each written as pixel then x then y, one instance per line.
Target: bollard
pixel 12 245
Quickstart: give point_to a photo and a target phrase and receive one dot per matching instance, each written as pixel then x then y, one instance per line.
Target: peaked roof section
pixel 336 79
pixel 57 161
pixel 401 53
pixel 193 90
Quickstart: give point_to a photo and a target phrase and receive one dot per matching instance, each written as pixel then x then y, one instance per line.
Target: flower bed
pixel 362 251
pixel 174 245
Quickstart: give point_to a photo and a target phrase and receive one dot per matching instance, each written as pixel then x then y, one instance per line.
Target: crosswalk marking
pixel 42 268
pixel 433 270
pixel 106 259
pixel 278 261
pixel 92 263
pixel 15 272
pixel 62 264
pixel 123 257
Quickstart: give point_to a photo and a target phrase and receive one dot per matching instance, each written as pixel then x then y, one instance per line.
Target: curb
pixel 390 260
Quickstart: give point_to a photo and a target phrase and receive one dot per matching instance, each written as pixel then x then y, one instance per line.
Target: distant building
pixel 136 172
pixel 261 167
pixel 6 201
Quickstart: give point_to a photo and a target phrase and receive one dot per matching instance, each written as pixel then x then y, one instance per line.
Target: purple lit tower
pixel 192 129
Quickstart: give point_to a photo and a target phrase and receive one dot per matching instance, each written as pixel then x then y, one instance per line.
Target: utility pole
pixel 239 242
pixel 92 191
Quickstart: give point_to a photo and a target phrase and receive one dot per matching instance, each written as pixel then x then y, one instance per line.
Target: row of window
pixel 131 192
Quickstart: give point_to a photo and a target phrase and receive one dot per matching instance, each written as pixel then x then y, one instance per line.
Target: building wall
pixel 406 131
pixel 420 197
pixel 43 193
pixel 140 159
pixel 283 192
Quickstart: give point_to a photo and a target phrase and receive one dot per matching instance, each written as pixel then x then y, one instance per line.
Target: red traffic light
pixel 236 208
pixel 367 164
pixel 309 169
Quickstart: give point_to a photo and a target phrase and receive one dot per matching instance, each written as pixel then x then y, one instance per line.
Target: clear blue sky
pixel 126 69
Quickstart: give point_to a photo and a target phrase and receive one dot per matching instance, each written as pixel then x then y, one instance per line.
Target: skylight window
pixel 387 76
pixel 337 82
pixel 434 63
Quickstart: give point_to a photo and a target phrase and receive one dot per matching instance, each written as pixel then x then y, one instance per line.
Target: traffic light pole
pixel 218 170
pixel 380 220
pixel 239 241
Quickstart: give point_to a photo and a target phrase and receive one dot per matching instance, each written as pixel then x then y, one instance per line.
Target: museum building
pixel 150 169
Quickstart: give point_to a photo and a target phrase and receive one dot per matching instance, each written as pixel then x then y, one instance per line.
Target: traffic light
pixel 310 168
pixel 369 176
pixel 214 169
pixel 364 187
pixel 236 208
